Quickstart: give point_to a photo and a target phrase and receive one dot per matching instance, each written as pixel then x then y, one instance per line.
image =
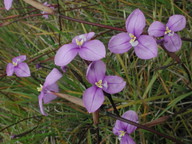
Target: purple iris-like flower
pixel 48 5
pixel 145 46
pixel 123 130
pixel 91 50
pixel 172 41
pixel 93 97
pixel 49 86
pixel 20 68
pixel 8 4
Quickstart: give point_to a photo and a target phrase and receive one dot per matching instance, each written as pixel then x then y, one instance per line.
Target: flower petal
pixel 8 4
pixel 87 36
pixel 22 70
pixel 66 54
pixel 157 29
pixel 19 59
pixel 45 4
pixel 49 96
pixel 52 77
pixel 113 84
pixel 117 128
pixel 45 16
pixel 147 47
pixel 123 126
pixel 130 115
pixel 92 50
pixel 43 12
pixel 119 43
pixel 176 23
pixel 93 98
pixel 10 69
pixel 40 97
pixel 96 71
pixel 127 140
pixel 135 23
pixel 172 43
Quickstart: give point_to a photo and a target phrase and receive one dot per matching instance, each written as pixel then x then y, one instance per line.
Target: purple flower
pixel 48 5
pixel 123 130
pixel 145 46
pixel 93 97
pixel 49 86
pixel 91 50
pixel 21 69
pixel 8 4
pixel 172 41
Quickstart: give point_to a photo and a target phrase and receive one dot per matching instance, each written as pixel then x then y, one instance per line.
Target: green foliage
pixel 152 90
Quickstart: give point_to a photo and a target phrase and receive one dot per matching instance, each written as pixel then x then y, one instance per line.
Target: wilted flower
pixel 172 41
pixel 38 66
pixel 145 46
pixel 123 130
pixel 8 4
pixel 20 68
pixel 91 50
pixel 63 68
pixel 48 5
pixel 93 97
pixel 49 86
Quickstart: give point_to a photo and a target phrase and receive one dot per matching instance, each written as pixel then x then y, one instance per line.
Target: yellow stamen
pixel 133 41
pixel 15 64
pixel 167 30
pixel 131 35
pixel 133 38
pixel 122 133
pixel 79 43
pixel 99 84
pixel 39 89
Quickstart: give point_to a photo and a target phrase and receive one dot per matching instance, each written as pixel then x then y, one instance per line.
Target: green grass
pixel 150 91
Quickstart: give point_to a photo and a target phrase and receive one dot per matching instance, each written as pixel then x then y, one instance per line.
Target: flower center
pixel 133 40
pixel 39 89
pixel 122 133
pixel 99 84
pixel 14 63
pixel 169 32
pixel 79 41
